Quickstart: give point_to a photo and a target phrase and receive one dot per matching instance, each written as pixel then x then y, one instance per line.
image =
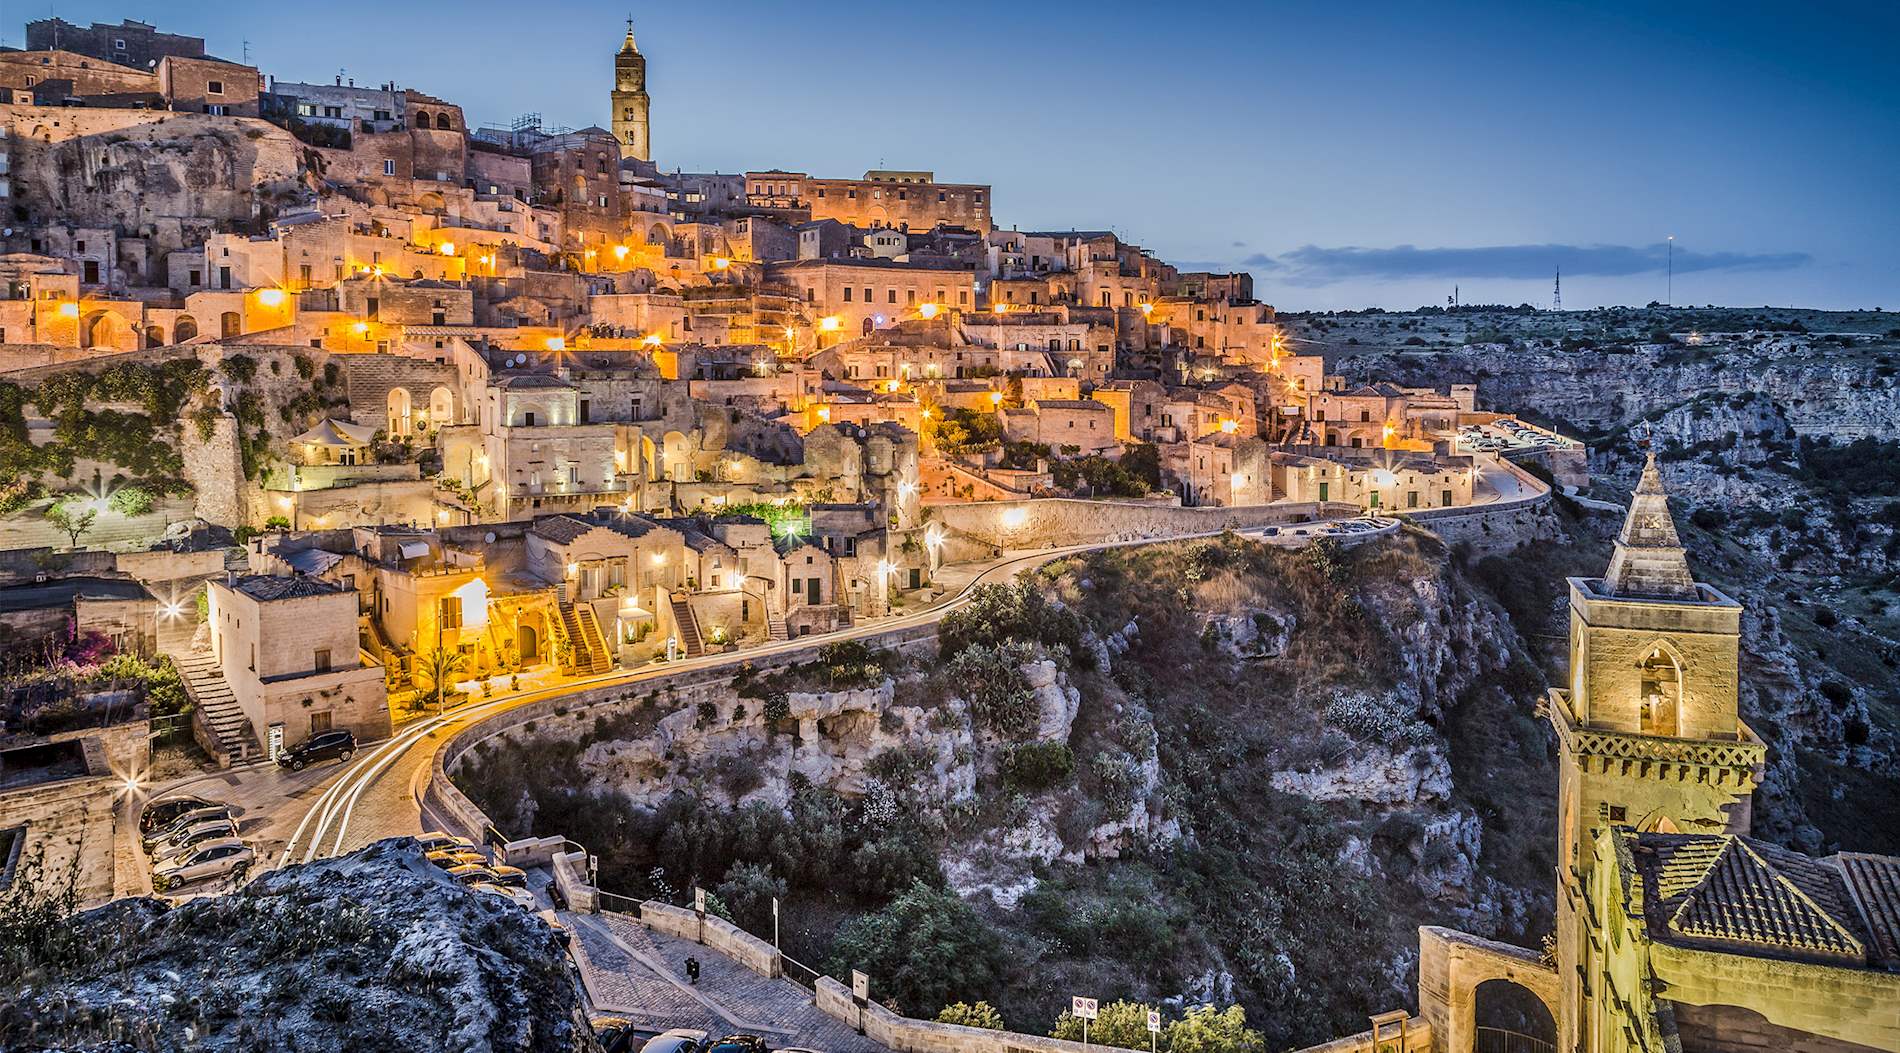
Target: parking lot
pixel 1506 436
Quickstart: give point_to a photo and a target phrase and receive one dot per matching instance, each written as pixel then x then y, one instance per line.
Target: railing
pixel 1502 1040
pixel 798 972
pixel 171 727
pixel 619 904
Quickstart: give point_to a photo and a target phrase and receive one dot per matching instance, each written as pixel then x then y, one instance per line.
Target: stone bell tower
pixel 630 100
pixel 1648 731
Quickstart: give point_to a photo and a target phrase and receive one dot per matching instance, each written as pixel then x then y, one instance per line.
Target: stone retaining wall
pixel 1069 521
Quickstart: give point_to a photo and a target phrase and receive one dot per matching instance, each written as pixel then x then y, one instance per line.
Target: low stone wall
pixel 1496 527
pixel 715 932
pixel 1069 521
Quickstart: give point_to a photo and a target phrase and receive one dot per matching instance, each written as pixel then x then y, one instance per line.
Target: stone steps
pixel 218 709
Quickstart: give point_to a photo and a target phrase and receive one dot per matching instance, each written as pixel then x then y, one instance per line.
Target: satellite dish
pixel 488 538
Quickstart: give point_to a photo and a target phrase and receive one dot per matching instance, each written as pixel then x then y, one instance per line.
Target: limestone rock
pixel 1376 776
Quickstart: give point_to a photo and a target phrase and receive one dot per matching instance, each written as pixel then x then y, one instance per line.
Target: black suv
pixel 321 746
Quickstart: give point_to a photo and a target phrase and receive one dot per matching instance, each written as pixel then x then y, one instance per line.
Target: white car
pixel 184 822
pixel 522 897
pixel 190 837
pixel 218 858
pixel 437 841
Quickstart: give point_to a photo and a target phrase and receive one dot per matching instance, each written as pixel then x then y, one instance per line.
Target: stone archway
pixel 1452 966
pixel 185 328
pixel 441 407
pixel 400 409
pixel 154 336
pixel 100 329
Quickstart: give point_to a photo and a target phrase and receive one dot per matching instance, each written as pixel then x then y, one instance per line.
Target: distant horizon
pixel 1343 157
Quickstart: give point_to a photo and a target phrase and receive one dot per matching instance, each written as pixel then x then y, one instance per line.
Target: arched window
pixel 230 324
pixel 441 407
pixel 186 328
pixel 422 120
pixel 1659 697
pixel 442 122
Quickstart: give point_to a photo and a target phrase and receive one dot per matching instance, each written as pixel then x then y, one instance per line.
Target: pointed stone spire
pixel 628 48
pixel 1650 562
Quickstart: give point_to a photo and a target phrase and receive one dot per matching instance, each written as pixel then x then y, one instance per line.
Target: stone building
pixel 138 45
pixel 287 647
pixel 630 102
pixel 1675 930
pixel 905 201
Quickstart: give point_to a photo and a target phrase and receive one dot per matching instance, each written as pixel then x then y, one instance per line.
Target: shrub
pixel 992 680
pixel 748 891
pixel 967 1014
pixel 1123 1024
pixel 131 501
pixel 1002 613
pixel 1204 1030
pixel 1037 765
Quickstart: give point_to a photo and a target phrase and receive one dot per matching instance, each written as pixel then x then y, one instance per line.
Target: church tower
pixel 1648 732
pixel 630 100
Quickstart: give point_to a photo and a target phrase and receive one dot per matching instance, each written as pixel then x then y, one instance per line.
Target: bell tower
pixel 630 100
pixel 1648 732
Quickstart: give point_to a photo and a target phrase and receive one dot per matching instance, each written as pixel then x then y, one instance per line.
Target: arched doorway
pixel 441 407
pixel 154 336
pixel 99 329
pixel 656 234
pixel 230 324
pixel 400 409
pixel 528 643
pixel 1660 695
pixel 1511 1019
pixel 186 328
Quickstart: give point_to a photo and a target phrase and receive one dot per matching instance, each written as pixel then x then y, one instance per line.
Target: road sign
pixel 860 986
pixel 699 899
pixel 1082 1008
pixel 1154 1021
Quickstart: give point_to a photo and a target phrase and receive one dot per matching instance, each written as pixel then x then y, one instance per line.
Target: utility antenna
pixel 247 52
pixel 1557 293
pixel 1669 295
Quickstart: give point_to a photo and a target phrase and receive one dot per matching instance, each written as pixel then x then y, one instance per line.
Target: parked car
pixel 437 841
pixel 494 874
pixel 186 821
pixel 161 813
pixel 739 1044
pixel 450 858
pixel 678 1040
pixel 217 858
pixel 616 1033
pixel 520 897
pixel 181 842
pixel 322 746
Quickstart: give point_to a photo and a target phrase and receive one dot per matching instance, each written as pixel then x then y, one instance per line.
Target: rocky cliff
pixel 378 950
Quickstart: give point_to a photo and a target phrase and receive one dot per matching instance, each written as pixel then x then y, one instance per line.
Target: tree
pixel 1123 1024
pixel 968 1014
pixel 748 890
pixel 440 668
pixel 925 948
pixel 62 516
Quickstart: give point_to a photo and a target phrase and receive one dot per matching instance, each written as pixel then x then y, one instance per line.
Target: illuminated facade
pixel 630 101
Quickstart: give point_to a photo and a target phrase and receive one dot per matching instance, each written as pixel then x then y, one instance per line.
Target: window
pixel 389 166
pixel 847 294
pixel 214 87
pixel 1448 498
pixel 528 418
pixel 118 44
pixel 320 722
pixel 893 296
pixel 449 612
pixel 1411 499
pixel 322 661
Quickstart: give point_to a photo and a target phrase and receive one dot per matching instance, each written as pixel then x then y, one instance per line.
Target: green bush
pixel 998 614
pixel 992 680
pixel 967 1014
pixel 1037 765
pixel 748 891
pixel 924 949
pixel 131 500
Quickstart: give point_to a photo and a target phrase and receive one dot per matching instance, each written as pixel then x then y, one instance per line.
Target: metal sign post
pixel 775 923
pixel 1154 1029
pixel 1083 1009
pixel 699 908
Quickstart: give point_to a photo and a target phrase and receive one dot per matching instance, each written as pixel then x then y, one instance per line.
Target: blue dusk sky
pixel 1347 154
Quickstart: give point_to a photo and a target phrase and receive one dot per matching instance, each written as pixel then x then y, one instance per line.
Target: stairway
pixel 600 659
pixel 217 708
pixel 689 628
pixel 580 633
pixel 775 627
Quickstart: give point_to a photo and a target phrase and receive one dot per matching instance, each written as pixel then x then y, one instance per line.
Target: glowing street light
pixel 720 263
pixel 447 248
pixel 653 340
pixel 996 398
pixel 828 324
pixel 271 297
pixel 1229 426
pixel 557 343
pixel 928 310
pixel 69 309
pixel 620 252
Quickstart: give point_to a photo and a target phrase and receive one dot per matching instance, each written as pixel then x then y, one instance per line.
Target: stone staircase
pixel 218 712
pixel 586 650
pixel 689 628
pixel 775 627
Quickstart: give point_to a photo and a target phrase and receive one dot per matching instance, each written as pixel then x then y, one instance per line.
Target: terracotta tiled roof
pixel 267 587
pixel 1750 895
pixel 1874 882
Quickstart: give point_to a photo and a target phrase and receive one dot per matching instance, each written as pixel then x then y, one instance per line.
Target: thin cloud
pixel 1314 265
